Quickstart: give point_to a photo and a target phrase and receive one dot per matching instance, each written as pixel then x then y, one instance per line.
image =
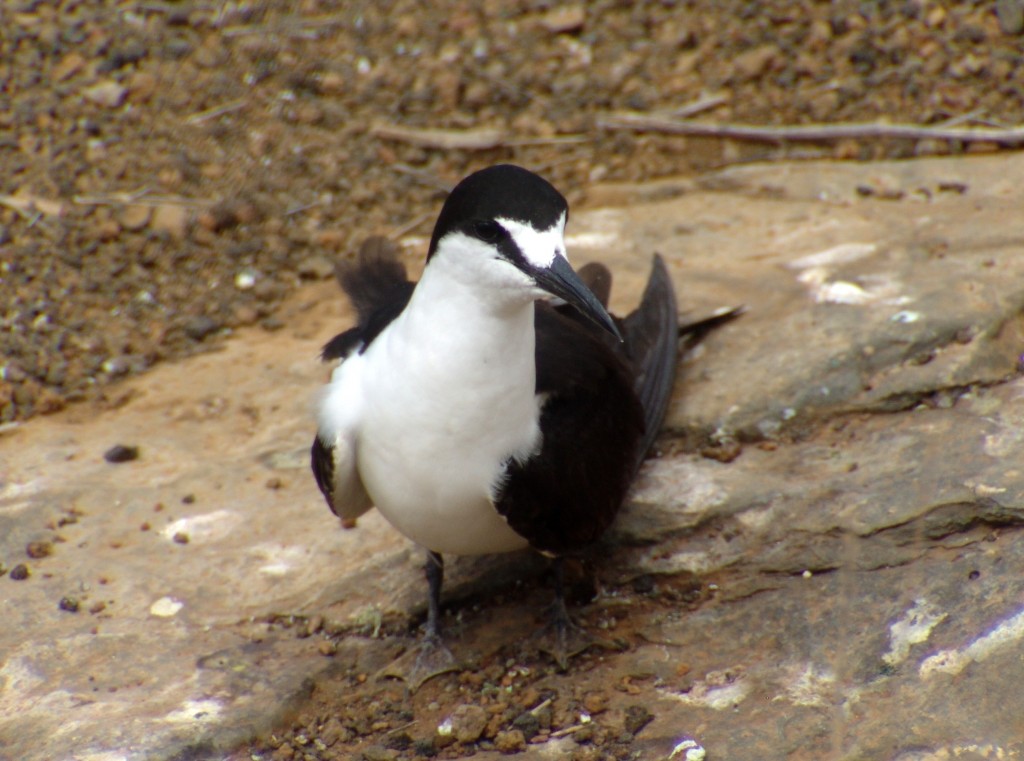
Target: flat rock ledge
pixel 841 479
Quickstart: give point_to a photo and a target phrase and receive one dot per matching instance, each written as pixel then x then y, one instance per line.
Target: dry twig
pixel 212 113
pixel 30 207
pixel 444 139
pixel 703 103
pixel 1011 136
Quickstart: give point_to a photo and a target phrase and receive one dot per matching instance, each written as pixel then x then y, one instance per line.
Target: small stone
pixel 334 732
pixel 171 219
pixel 637 717
pixel 141 86
pixel 378 753
pixel 135 217
pixel 566 18
pixel 246 279
pixel 68 604
pixel 166 607
pixel 335 240
pixel 753 63
pixel 1011 16
pixel 36 550
pixel 97 607
pixel 316 268
pixel 332 83
pixel 512 741
pixel 527 723
pixel 20 572
pixel 121 453
pixel 726 450
pixel 274 483
pixel 584 735
pixel 595 702
pixel 327 648
pixel 200 327
pixel 180 537
pixel 68 66
pixel 468 723
pixel 245 314
pixel 115 366
pixel 108 94
pixel 105 231
pixel 309 113
pixel 13 373
pixel 314 624
pixel 129 52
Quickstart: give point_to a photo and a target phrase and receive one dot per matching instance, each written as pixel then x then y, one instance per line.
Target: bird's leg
pixel 430 658
pixel 434 571
pixel 561 638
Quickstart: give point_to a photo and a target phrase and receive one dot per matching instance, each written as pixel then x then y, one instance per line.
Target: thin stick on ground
pixel 443 139
pixel 212 113
pixel 639 122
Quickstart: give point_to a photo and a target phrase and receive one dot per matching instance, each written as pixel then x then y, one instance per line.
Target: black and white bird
pixel 495 404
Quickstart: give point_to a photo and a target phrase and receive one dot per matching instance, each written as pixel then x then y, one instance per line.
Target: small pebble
pixel 327 647
pixel 595 702
pixel 1011 15
pixel 637 717
pixel 512 741
pixel 180 537
pixel 108 94
pixel 171 219
pixel 36 550
pixel 200 327
pixel 20 572
pixel 69 604
pixel 121 453
pixel 468 723
pixel 316 268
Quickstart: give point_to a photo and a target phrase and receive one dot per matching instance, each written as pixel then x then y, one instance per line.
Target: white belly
pixel 434 437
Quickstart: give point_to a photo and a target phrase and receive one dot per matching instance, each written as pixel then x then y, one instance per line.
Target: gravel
pixel 152 154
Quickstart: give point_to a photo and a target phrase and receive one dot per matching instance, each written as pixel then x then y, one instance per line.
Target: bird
pixel 495 404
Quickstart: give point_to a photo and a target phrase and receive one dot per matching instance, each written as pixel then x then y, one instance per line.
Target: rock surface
pixel 849 585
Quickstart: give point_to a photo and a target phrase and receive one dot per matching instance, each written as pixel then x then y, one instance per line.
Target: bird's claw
pixel 563 639
pixel 428 659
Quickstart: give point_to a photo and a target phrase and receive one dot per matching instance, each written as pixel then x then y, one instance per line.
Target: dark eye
pixel 488 231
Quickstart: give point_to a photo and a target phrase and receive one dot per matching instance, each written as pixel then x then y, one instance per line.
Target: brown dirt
pixel 506 687
pixel 171 171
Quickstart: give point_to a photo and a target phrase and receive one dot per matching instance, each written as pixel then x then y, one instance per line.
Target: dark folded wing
pixel 567 494
pixel 651 335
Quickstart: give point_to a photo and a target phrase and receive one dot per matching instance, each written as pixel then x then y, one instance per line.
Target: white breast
pixel 445 397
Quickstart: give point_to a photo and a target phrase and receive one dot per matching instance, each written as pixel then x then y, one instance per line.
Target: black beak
pixel 560 280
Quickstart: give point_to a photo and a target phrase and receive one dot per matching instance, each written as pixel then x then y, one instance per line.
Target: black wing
pixel 605 403
pixel 651 335
pixel 650 339
pixel 566 496
pixel 322 462
pixel 377 285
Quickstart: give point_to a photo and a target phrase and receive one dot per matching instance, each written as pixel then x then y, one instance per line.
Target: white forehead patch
pixel 540 247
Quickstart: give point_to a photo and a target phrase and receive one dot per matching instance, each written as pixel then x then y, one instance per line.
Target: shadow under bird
pixel 495 404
